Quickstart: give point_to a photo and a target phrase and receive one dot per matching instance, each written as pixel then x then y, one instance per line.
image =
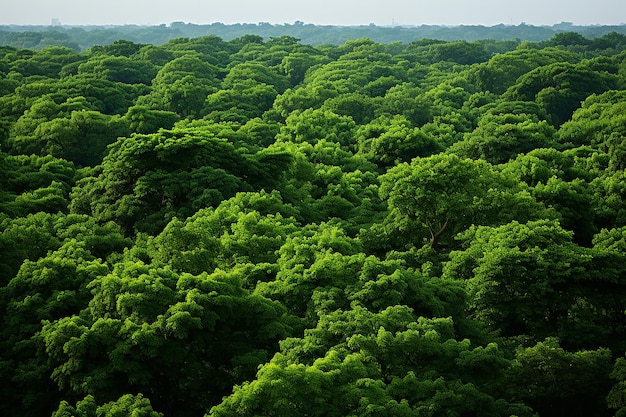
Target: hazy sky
pixel 332 12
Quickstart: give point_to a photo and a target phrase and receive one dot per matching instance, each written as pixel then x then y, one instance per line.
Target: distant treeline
pixel 83 37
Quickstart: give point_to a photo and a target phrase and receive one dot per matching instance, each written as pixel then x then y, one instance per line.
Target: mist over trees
pixel 83 37
pixel 263 226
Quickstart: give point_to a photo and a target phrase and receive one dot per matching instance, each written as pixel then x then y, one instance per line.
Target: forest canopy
pixel 253 226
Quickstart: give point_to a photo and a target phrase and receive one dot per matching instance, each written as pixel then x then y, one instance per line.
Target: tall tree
pixel 437 197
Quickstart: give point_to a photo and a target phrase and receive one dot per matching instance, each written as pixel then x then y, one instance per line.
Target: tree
pixel 503 70
pixel 599 123
pixel 248 228
pixel 128 405
pixel 559 88
pixel 408 100
pixel 107 97
pixel 264 227
pixel 259 133
pixel 540 165
pixel 616 398
pixel 312 126
pixel 209 49
pixel 462 52
pixel 358 106
pixel 327 181
pixel 29 237
pixel 296 64
pixel 123 48
pixel 321 259
pixel 259 73
pixel 390 141
pixel 120 69
pixel 498 139
pixel 157 55
pixel 607 200
pixel 182 85
pixel 50 288
pixel 183 340
pixel 568 39
pixel 572 200
pixel 74 133
pixel 33 236
pixel 437 197
pixel 530 279
pixel 48 260
pixel 142 119
pixel 32 184
pixel 611 239
pixel 245 100
pixel 146 180
pixel 49 61
pixel 51 199
pixel 386 363
pixel 554 381
pixel 311 96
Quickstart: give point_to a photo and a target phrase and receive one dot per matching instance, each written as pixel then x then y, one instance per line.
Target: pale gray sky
pixel 332 12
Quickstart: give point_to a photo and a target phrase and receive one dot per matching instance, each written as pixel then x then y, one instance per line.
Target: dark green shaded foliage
pixel 120 69
pixel 500 138
pixel 530 279
pixel 48 289
pixel 381 363
pixel 555 381
pixel 560 87
pixel 182 340
pixel 146 180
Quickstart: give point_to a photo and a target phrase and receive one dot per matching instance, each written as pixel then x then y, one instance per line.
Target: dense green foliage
pixel 253 227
